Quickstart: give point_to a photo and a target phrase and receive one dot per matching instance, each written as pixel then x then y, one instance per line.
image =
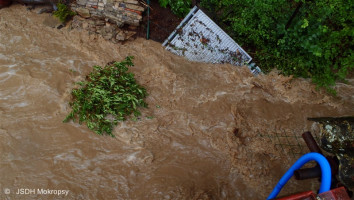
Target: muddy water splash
pixel 202 142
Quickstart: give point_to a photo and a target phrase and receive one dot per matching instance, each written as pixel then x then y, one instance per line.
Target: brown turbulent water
pixel 202 142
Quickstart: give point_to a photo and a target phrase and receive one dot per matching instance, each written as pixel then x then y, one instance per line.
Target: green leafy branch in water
pixel 108 95
pixel 63 12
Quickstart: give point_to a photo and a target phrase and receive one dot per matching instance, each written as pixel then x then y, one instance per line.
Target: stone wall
pixel 107 30
pixel 107 17
pixel 116 11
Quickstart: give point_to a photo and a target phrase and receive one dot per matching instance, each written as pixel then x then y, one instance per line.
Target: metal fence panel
pixel 198 38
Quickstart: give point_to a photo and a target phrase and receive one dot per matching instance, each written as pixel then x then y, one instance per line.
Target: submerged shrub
pixel 63 12
pixel 108 95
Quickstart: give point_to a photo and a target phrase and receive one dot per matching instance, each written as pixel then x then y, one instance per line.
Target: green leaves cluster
pixel 63 12
pixel 108 95
pixel 317 43
pixel 178 7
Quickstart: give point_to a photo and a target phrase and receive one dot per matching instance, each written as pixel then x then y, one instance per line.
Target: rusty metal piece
pixel 5 3
pixel 335 194
pixel 308 173
pixel 314 172
pixel 309 195
pixel 311 143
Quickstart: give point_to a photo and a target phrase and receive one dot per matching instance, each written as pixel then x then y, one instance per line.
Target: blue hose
pixel 325 173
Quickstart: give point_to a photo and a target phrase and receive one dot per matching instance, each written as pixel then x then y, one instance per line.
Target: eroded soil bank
pixel 203 141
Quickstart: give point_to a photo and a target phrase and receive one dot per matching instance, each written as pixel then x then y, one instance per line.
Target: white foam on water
pixel 20 105
pixel 15 39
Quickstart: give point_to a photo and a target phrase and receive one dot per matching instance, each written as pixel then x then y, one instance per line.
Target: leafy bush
pixel 63 12
pixel 107 96
pixel 178 7
pixel 311 39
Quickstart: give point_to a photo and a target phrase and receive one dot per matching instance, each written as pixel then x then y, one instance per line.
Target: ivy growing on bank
pixel 108 95
pixel 304 38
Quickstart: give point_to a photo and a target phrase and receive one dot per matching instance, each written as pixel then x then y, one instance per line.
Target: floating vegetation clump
pixel 108 95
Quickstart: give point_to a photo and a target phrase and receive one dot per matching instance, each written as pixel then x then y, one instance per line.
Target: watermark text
pixel 41 191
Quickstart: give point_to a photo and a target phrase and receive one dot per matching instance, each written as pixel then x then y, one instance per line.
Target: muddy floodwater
pixel 202 137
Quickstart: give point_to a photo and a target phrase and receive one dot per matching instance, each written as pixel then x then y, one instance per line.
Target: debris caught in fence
pixel 199 39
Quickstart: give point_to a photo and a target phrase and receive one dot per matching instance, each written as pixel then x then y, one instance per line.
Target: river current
pixel 202 137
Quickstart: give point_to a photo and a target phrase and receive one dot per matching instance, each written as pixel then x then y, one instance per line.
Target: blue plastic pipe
pixel 325 173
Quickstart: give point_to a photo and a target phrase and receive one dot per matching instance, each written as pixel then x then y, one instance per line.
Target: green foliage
pixel 316 44
pixel 178 7
pixel 107 96
pixel 63 12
